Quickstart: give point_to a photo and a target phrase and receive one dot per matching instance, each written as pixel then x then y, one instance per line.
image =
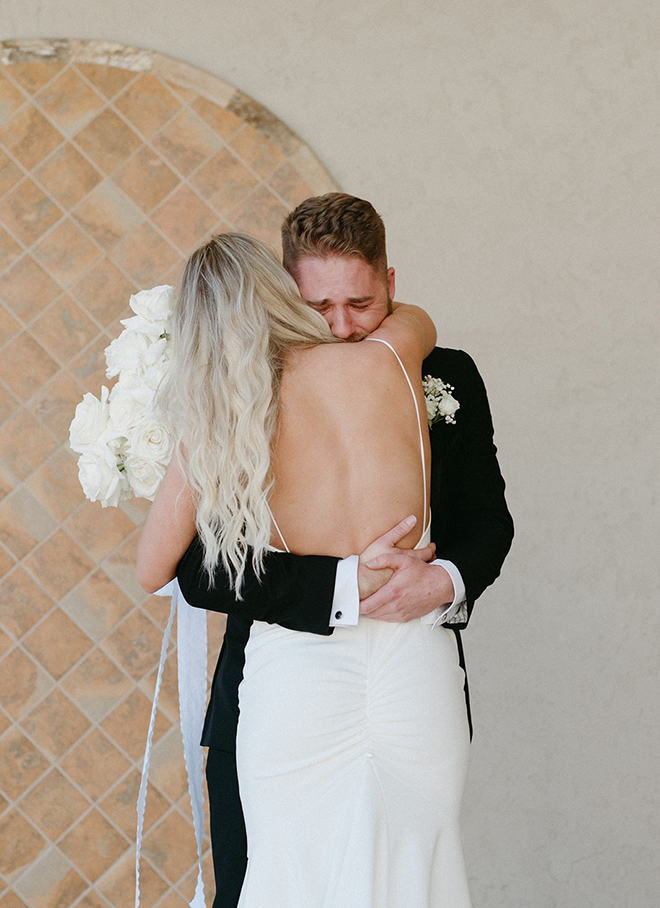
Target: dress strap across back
pixel 379 340
pixel 279 531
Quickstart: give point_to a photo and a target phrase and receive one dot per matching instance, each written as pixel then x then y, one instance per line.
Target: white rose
pixel 126 352
pixel 150 440
pixel 431 406
pixel 129 402
pixel 151 329
pixel 127 381
pixel 90 421
pixel 144 475
pixel 153 376
pixel 148 453
pixel 154 304
pixel 101 479
pixel 157 354
pixel 448 405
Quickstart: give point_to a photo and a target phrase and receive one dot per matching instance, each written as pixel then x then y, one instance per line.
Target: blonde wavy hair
pixel 237 315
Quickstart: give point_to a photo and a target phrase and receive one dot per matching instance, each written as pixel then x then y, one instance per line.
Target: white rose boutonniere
pixel 439 401
pixel 124 450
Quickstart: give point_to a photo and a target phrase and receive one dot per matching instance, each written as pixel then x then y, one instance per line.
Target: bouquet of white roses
pixel 124 449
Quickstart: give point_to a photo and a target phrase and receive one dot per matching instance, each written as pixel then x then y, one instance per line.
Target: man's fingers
pixel 387 541
pixel 397 533
pixel 414 589
pixel 426 554
pixel 395 559
pixel 373 603
pixel 391 560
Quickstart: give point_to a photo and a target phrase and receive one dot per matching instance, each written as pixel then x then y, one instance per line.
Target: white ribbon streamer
pixel 192 655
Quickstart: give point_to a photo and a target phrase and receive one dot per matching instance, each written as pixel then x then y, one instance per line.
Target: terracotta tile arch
pixel 114 163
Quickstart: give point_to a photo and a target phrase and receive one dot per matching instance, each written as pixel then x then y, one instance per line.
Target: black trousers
pixel 228 839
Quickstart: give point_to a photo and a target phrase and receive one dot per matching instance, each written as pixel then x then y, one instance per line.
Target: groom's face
pixel 352 296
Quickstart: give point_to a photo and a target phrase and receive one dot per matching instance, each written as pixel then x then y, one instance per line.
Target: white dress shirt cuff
pixel 458 608
pixel 346 600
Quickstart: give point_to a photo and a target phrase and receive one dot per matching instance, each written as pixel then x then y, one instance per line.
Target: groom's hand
pixel 414 589
pixel 369 579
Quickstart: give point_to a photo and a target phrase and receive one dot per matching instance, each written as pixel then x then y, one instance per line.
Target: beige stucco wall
pixel 512 149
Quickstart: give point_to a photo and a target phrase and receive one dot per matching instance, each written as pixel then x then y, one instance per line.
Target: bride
pixel 350 773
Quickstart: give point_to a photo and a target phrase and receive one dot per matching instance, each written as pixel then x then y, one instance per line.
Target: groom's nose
pixel 341 323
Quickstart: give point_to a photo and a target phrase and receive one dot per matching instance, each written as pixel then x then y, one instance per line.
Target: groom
pixel 334 247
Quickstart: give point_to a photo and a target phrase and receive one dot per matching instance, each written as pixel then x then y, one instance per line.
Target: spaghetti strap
pixel 279 531
pixel 379 340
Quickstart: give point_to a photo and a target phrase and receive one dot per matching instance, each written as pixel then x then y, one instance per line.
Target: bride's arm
pixel 409 329
pixel 168 531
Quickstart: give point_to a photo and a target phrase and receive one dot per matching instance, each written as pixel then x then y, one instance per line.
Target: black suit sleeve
pixel 294 591
pixel 474 528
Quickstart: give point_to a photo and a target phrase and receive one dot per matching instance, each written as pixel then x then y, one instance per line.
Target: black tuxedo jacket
pixel 471 526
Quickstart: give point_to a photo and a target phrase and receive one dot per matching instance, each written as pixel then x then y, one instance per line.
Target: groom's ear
pixel 391 283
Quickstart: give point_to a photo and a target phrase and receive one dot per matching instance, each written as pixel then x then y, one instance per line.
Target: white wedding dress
pixel 352 754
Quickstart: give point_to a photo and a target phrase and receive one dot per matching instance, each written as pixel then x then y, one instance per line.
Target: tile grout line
pixel 224 217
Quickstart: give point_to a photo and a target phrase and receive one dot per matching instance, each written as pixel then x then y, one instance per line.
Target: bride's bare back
pixel 347 461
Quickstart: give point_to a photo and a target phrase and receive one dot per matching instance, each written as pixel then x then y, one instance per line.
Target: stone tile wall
pixel 114 164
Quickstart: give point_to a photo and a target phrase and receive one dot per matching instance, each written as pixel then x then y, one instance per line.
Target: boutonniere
pixel 439 401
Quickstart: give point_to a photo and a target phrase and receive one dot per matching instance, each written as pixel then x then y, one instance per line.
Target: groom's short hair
pixel 334 224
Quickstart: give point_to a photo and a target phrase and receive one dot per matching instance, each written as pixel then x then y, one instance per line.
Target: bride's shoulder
pixel 338 364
